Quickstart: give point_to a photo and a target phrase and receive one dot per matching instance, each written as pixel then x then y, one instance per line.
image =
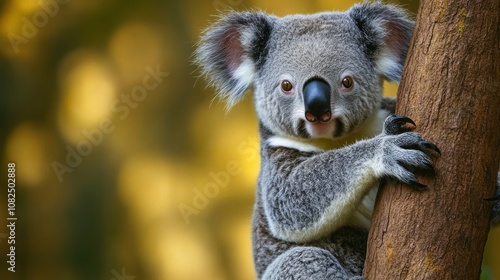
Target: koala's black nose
pixel 317 100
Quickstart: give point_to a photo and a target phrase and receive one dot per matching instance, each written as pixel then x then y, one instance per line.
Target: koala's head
pixel 313 76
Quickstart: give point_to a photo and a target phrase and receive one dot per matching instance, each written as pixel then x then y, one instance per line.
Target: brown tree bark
pixel 450 88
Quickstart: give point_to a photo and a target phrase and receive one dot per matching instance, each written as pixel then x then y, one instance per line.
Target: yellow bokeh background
pixel 107 89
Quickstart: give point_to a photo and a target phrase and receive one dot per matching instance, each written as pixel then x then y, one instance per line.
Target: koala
pixel 328 136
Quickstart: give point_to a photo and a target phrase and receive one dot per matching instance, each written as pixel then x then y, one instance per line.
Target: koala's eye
pixel 347 82
pixel 286 85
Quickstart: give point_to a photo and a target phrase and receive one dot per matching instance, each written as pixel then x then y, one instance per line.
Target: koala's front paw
pixel 404 153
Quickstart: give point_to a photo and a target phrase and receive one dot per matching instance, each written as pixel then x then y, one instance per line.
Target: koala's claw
pixel 493 198
pixel 417 185
pixel 431 146
pixel 428 169
pixel 395 124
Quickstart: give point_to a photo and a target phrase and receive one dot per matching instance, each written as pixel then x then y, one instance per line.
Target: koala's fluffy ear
pixel 232 50
pixel 386 32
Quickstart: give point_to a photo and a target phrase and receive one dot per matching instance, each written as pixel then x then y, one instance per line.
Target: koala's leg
pixel 303 263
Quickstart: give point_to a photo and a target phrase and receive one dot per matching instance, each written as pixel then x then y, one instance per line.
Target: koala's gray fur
pixel 318 179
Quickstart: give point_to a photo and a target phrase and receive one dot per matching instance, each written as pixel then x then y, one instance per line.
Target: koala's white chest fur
pixel 362 216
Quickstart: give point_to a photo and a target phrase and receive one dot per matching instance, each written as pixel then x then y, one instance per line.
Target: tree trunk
pixel 450 88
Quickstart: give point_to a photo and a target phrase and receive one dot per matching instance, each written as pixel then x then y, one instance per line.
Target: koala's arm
pixel 307 195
